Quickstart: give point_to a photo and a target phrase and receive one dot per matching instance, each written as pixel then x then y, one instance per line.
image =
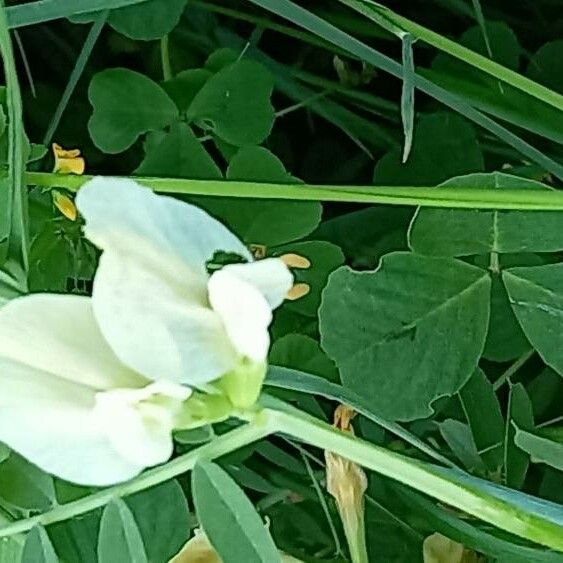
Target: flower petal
pixel 122 215
pixel 139 422
pixel 51 422
pixel 270 276
pixel 58 334
pixel 244 311
pixel 160 328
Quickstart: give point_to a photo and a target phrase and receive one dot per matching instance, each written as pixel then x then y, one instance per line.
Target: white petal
pixel 162 329
pixel 122 215
pixel 58 334
pixel 139 422
pixel 270 276
pixel 51 422
pixel 244 311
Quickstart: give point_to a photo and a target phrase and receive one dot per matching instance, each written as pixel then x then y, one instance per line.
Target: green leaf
pixel 25 486
pixel 536 296
pixel 149 20
pixel 126 105
pixel 119 539
pixel 228 518
pixel 540 448
pixel 505 339
pixel 257 164
pixel 414 315
pixel 185 85
pixel 546 66
pixel 263 222
pixel 475 231
pixel 302 352
pixel 178 154
pixel 435 135
pixel 77 539
pixel 482 410
pixel 324 257
pixel 235 104
pixel 520 415
pixel 38 547
pixel 460 440
pixel 162 516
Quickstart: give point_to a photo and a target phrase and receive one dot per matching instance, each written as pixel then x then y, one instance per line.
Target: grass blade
pixel 47 10
pixel 18 237
pixel 76 73
pixel 290 11
pixel 381 14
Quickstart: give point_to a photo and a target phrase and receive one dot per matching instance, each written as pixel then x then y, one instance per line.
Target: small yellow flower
pixel 199 550
pixel 65 205
pixel 347 483
pixel 68 161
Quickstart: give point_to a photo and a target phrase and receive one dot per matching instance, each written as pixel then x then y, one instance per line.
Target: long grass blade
pixel 307 20
pixel 46 10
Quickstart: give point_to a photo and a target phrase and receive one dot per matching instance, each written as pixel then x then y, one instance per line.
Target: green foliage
pixel 410 305
pixel 38 547
pixel 440 327
pixel 120 539
pixel 229 519
pixel 126 104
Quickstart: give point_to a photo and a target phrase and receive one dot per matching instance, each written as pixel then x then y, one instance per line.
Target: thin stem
pixel 550 422
pixel 506 375
pixel 324 504
pixel 251 432
pixel 459 198
pixel 76 73
pixel 165 58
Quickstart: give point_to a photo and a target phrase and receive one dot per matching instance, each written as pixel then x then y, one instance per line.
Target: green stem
pixel 460 198
pixel 390 21
pixel 165 58
pixel 491 504
pixel 508 373
pixel 251 432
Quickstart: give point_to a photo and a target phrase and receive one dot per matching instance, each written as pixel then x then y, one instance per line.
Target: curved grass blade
pixel 294 380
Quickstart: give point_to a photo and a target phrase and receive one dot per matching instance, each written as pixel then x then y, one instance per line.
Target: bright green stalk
pixel 259 428
pixel 392 22
pixel 530 518
pixel 462 198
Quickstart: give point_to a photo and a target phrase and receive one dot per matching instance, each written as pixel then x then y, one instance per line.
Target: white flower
pixel 157 306
pixel 91 388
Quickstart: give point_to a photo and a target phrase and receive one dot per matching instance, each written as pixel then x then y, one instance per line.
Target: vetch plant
pixel 324 237
pixel 86 402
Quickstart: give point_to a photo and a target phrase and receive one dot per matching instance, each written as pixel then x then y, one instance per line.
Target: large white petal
pixel 51 422
pixel 161 329
pixel 270 276
pixel 244 311
pixel 122 215
pixel 58 334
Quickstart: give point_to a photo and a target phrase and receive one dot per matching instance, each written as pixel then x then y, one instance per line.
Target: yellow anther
pixel 65 205
pixel 292 260
pixel 297 291
pixel 68 161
